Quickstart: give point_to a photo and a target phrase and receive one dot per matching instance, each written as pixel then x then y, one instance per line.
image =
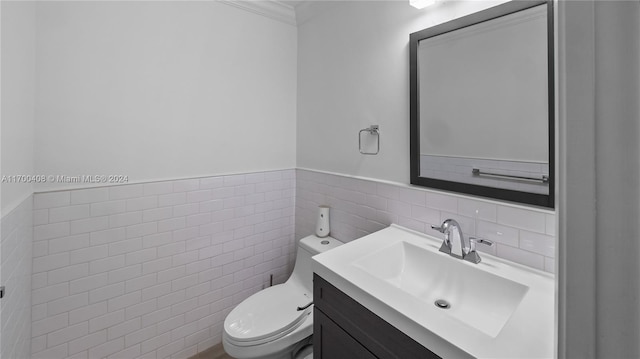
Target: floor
pixel 216 352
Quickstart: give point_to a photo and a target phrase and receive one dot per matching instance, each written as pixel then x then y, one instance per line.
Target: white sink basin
pixel 476 298
pixel 496 308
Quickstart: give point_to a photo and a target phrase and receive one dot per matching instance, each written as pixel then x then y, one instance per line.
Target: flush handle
pixel 305 307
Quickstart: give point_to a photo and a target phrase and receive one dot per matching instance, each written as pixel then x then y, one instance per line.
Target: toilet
pixel 277 322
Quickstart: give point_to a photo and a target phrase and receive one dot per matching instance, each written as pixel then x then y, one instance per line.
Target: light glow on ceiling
pixel 421 4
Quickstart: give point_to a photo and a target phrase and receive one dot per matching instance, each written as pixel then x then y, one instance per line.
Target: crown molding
pixel 270 8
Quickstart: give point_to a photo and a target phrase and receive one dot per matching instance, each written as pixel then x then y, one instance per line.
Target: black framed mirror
pixel 482 104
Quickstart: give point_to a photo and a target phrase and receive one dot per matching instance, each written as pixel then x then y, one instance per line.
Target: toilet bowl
pixel 277 322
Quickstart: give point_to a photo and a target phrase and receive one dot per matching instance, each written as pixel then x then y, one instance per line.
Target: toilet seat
pixel 267 315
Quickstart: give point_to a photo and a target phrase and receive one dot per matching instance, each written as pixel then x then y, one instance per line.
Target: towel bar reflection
pixel 542 178
pixel 372 130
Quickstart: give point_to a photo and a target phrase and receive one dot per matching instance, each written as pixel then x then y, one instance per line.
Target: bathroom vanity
pixel 393 294
pixel 343 328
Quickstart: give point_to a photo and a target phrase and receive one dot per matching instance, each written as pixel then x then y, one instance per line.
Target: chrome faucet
pixel 454 243
pixel 452 246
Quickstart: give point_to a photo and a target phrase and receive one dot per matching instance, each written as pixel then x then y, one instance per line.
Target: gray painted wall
pixel 598 168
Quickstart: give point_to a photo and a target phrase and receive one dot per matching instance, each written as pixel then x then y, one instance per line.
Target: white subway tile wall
pixel 360 207
pixel 151 270
pixel 15 275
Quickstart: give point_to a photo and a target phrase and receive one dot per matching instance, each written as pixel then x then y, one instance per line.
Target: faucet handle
pixel 444 227
pixel 473 256
pixel 440 228
pixel 474 240
pixel 446 244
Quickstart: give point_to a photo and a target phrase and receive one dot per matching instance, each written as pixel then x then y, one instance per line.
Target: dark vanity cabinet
pixel 343 328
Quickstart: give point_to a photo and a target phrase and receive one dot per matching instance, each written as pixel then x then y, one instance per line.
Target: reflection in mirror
pixel 482 104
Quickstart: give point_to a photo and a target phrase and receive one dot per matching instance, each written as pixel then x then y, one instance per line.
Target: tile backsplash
pixel 152 269
pixel 360 206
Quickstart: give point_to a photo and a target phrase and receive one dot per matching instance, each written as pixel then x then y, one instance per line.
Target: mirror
pixel 482 104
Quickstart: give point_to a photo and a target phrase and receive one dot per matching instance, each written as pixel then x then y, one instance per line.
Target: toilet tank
pixel 308 247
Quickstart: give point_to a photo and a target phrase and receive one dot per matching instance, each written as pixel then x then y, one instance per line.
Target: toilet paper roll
pixel 322 224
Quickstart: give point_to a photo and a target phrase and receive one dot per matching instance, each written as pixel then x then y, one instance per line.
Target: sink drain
pixel 442 304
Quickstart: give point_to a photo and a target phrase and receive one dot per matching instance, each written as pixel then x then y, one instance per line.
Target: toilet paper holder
pixel 372 130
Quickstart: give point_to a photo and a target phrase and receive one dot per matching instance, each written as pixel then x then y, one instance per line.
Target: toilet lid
pixel 268 315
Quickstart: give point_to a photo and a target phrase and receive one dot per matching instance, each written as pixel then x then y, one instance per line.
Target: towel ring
pixel 372 130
